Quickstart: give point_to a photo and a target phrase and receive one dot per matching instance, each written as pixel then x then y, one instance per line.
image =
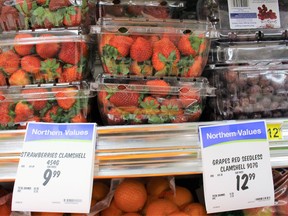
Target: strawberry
pixel 47 50
pixel 194 113
pixel 56 4
pixel 23 111
pixel 158 87
pixel 70 53
pixel 105 38
pixel 141 50
pixel 2 79
pixel 180 119
pixel 160 12
pixel 23 49
pixel 165 54
pixel 72 16
pixel 10 15
pixel 140 69
pixel 189 44
pixel 9 62
pixel 150 102
pixel 169 34
pixel 51 69
pixel 44 18
pixel 189 96
pixel 24 6
pixel 115 117
pixel 134 10
pixel 122 44
pixel 79 118
pixel 51 114
pixel 124 98
pixel 20 77
pixel 152 39
pixel 171 107
pixel 42 2
pixel 71 74
pixel 31 64
pixel 66 98
pixel 197 67
pixel 39 103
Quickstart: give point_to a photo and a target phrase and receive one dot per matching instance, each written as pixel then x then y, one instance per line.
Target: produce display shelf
pixel 142 150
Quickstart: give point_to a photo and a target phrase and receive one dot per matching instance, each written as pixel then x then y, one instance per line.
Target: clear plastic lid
pixel 139 84
pixel 249 52
pixel 141 9
pixel 239 20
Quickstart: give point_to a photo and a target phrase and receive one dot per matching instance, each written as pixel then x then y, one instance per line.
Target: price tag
pixel 237 170
pixel 56 168
pixel 274 131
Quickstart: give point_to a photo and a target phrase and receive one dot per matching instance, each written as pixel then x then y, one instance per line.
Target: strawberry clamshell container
pixel 30 57
pixel 141 9
pixel 248 92
pixel 35 14
pixel 177 48
pixel 138 100
pixel 59 103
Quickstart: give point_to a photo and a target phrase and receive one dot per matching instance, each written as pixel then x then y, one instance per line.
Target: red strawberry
pixel 171 107
pixel 38 104
pixel 23 112
pixel 70 52
pixel 5 118
pixel 189 44
pixel 50 114
pixel 105 38
pixel 2 79
pixel 158 87
pixel 24 6
pixel 9 18
pixel 114 117
pixel 79 118
pixel 66 98
pixel 122 44
pixel 150 102
pixel 160 12
pixel 153 39
pixel 50 70
pixel 196 68
pixel 189 96
pixel 71 74
pixel 180 119
pixel 165 54
pixel 195 116
pixel 23 49
pixel 125 98
pixel 56 4
pixel 20 77
pixel 141 50
pixel 41 2
pixel 72 16
pixel 141 70
pixel 47 50
pixel 31 64
pixel 134 10
pixel 9 61
pixel 171 35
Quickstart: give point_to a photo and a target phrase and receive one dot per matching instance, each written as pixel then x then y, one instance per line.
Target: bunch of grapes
pixel 264 13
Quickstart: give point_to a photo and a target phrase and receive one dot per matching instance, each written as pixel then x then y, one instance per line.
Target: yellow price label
pixel 274 131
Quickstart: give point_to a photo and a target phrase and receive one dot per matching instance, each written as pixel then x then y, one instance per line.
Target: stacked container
pixel 44 62
pixel 248 60
pixel 152 64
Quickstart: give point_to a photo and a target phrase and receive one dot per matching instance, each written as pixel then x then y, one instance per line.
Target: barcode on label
pixel 240 3
pixel 263 198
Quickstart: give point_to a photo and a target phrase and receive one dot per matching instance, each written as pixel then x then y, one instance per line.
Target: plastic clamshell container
pixel 29 57
pixel 135 100
pixel 245 20
pixel 251 92
pixel 153 48
pixel 35 14
pixel 60 103
pixel 141 9
pixel 248 52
